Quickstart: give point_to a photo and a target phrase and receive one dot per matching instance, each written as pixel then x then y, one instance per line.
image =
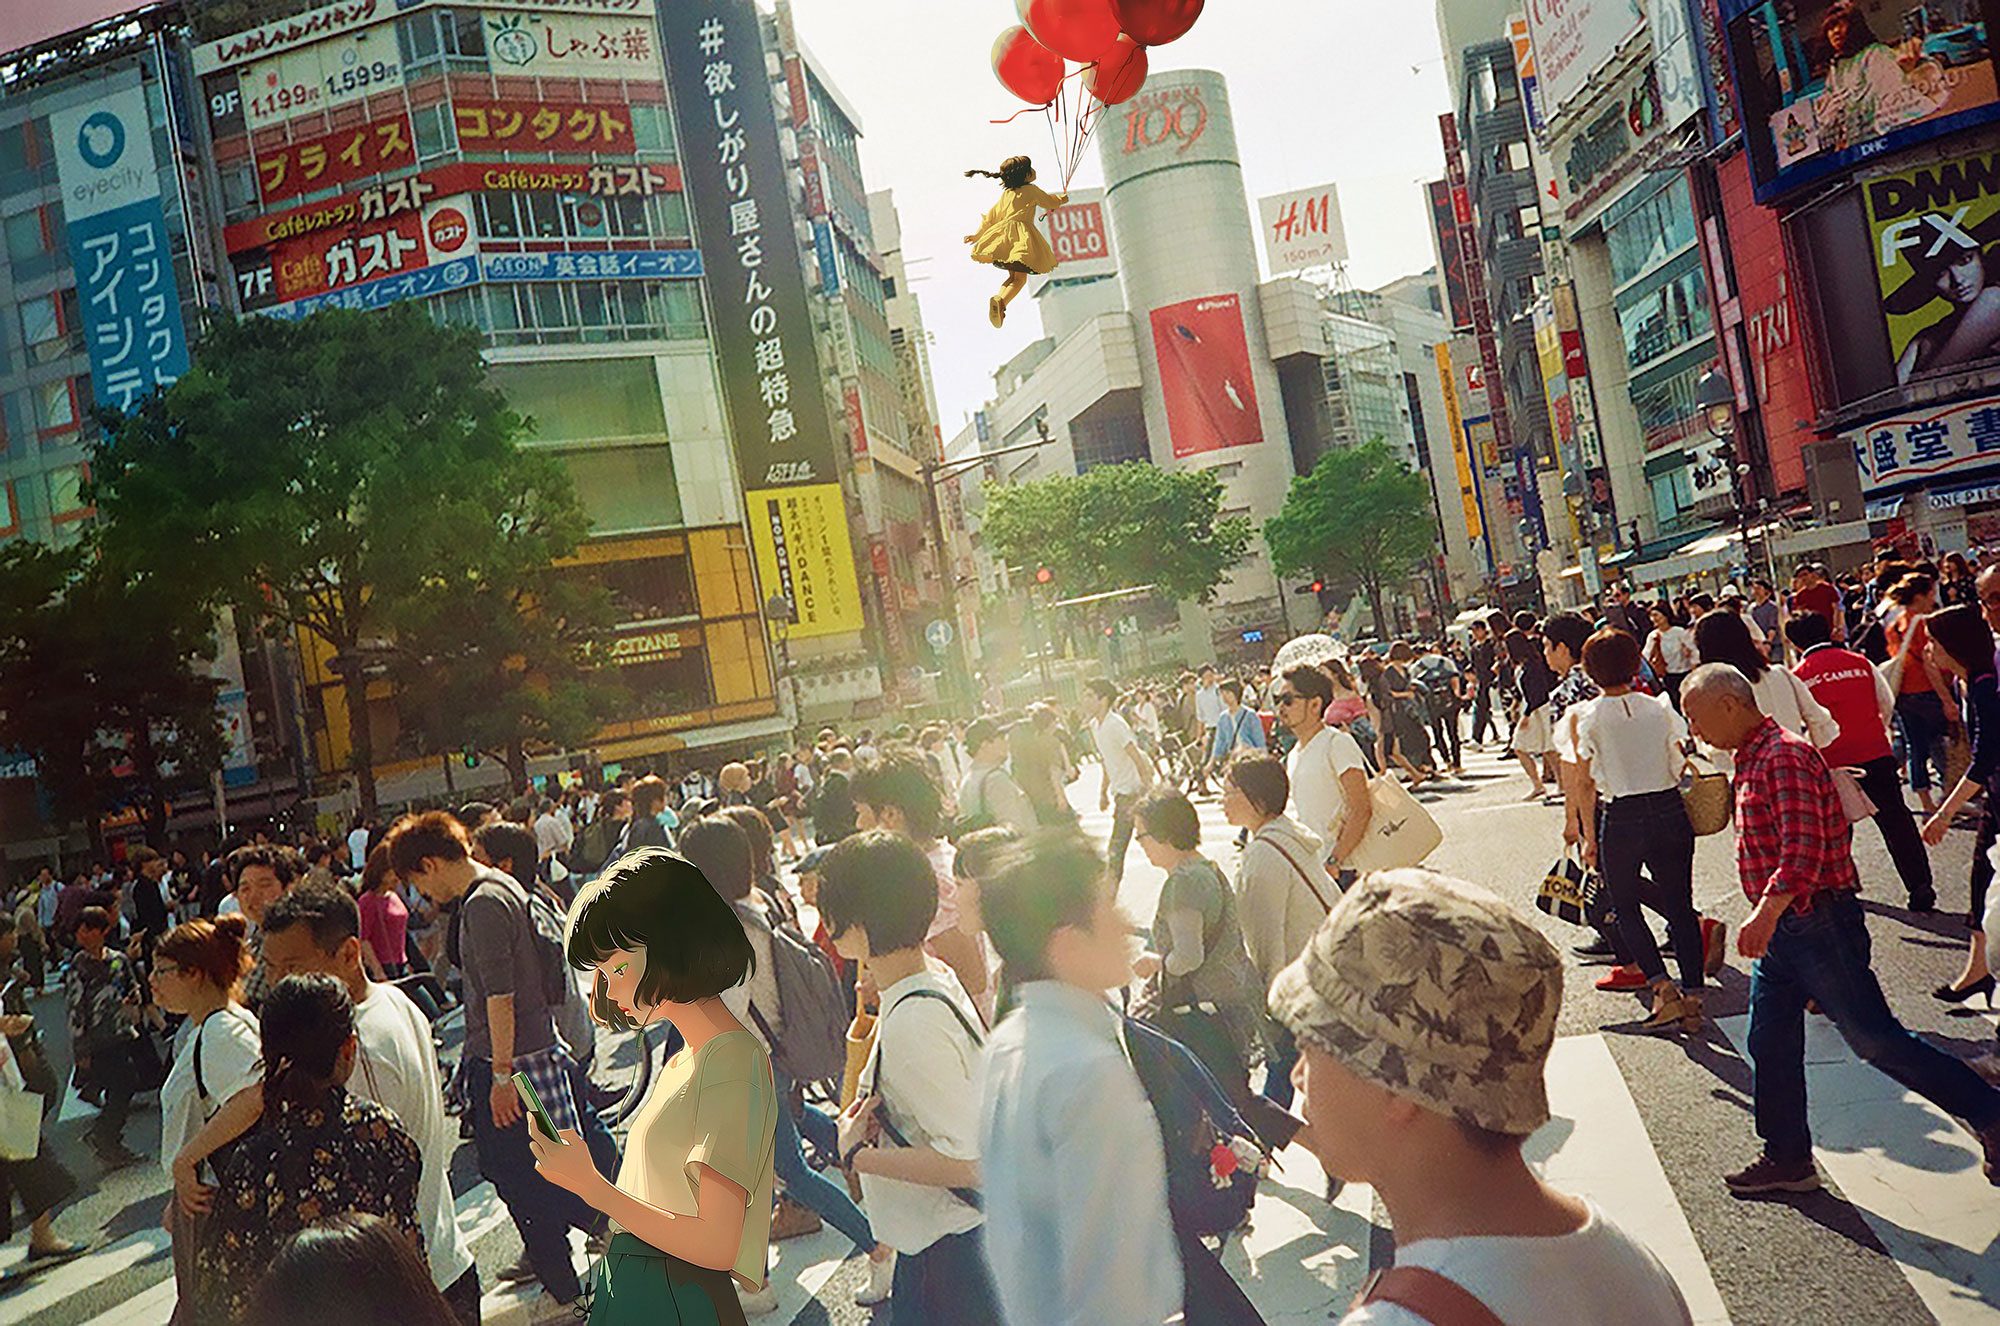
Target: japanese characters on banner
pixel 1907 448
pixel 416 191
pixel 570 45
pixel 763 333
pixel 118 245
pixel 382 291
pixel 338 158
pixel 597 265
pixel 1302 229
pixel 321 77
pixel 1576 38
pixel 1205 375
pixel 540 126
pixel 1451 259
pixel 351 15
pixel 1461 447
pixel 325 261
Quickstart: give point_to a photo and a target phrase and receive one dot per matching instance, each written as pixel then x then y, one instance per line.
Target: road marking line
pixel 1911 1171
pixel 74 1277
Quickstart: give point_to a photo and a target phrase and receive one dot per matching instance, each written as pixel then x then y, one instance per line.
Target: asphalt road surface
pixel 1907 1231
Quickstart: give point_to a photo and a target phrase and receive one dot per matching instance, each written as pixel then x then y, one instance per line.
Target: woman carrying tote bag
pixel 1721 637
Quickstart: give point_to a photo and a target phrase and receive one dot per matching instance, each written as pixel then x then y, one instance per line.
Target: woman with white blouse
pixel 1669 650
pixel 1630 753
pixel 1721 637
pixel 197 971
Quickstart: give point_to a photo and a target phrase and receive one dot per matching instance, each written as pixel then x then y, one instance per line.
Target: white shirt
pixel 231 1054
pixel 1114 739
pixel 46 903
pixel 1633 743
pixel 357 849
pixel 396 1067
pixel 553 834
pixel 1676 645
pixel 1316 766
pixel 1208 705
pixel 928 1069
pixel 1786 699
pixel 1597 1276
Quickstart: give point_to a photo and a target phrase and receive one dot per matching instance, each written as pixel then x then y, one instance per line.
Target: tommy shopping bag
pixel 1568 889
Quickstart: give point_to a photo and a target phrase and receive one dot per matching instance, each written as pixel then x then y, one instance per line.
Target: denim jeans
pixel 1899 829
pixel 807 1186
pixel 1822 955
pixel 1121 833
pixel 543 1213
pixel 1280 1057
pixel 1651 834
pixel 1922 717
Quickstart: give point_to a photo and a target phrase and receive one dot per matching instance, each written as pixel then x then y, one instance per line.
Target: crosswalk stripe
pixel 1912 1173
pixel 74 1277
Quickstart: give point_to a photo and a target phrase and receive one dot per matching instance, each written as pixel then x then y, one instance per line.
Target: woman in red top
pixel 385 920
pixel 1924 703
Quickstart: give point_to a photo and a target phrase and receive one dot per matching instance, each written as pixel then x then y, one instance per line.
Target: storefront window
pixel 648 589
pixel 1664 397
pixel 666 686
pixel 1644 234
pixel 1664 312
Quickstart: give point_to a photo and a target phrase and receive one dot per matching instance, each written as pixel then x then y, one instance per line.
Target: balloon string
pixel 1018 114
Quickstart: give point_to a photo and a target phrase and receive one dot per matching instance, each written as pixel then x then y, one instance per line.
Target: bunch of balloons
pixel 1108 37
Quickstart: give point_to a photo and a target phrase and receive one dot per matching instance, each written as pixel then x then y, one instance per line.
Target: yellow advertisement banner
pixel 800 539
pixel 1455 421
pixel 1936 240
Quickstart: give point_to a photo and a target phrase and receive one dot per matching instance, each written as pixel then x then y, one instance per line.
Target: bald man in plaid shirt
pixel 1810 941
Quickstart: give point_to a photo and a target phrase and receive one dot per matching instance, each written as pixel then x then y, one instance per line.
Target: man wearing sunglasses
pixel 1329 779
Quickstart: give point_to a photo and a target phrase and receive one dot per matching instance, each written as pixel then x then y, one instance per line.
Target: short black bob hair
pixel 652 899
pixel 882 882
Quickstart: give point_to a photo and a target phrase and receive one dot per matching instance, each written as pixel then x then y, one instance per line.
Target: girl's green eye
pixel 620 969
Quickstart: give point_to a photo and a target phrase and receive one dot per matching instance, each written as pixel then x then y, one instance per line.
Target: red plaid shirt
pixel 1791 835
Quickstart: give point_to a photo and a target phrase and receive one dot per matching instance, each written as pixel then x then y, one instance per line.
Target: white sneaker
pixel 757 1304
pixel 881 1275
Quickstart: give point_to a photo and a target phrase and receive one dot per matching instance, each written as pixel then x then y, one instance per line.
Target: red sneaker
pixel 1623 978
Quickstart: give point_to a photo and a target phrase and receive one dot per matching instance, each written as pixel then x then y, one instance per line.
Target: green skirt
pixel 635 1284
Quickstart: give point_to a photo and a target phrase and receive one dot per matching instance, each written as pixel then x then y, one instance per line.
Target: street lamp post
pixel 782 616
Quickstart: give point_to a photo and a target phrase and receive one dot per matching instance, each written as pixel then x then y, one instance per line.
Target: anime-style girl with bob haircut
pixel 692 1201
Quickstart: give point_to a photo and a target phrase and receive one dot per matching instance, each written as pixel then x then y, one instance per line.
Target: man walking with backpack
pixel 510 1028
pixel 1238 728
pixel 989 795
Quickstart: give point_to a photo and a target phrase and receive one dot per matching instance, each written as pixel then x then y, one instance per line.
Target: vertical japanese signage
pixel 771 379
pixel 1451 259
pixel 1475 283
pixel 1461 449
pixel 118 245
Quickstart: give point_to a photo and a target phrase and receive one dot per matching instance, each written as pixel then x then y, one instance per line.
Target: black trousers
pixel 1482 712
pixel 112 1068
pixel 1982 864
pixel 1881 780
pixel 1645 847
pixel 1444 731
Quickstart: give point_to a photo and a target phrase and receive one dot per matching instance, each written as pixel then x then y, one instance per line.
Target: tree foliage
pixel 1360 519
pixel 100 684
pixel 1120 526
pixel 348 474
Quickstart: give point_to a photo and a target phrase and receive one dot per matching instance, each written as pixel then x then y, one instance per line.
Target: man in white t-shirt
pixel 1329 777
pixel 317 928
pixel 553 838
pixel 1449 1080
pixel 1127 771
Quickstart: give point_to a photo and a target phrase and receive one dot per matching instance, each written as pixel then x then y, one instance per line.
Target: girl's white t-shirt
pixel 230 1053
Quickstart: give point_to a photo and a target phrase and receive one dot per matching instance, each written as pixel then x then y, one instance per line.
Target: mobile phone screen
pixel 534 1103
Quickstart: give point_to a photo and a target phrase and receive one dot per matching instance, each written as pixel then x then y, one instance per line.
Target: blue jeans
pixel 1822 955
pixel 806 1185
pixel 1922 716
pixel 1280 1057
pixel 543 1213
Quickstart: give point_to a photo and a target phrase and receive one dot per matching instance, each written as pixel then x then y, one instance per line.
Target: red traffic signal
pixel 1318 585
pixel 1043 575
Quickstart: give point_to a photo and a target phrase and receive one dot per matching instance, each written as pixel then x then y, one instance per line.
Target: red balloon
pixel 1119 73
pixel 1079 30
pixel 1155 22
pixel 1026 68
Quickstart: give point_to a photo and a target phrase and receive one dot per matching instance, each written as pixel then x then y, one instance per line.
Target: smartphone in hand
pixel 533 1101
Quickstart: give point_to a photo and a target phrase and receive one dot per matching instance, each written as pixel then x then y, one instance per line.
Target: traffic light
pixel 1043 575
pixel 1318 585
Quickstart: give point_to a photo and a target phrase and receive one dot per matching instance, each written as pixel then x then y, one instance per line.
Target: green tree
pixel 1119 526
pixel 335 475
pixel 1359 519
pixel 100 684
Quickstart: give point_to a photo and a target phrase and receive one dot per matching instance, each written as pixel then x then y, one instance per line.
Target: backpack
pixel 973 823
pixel 1213 1158
pixel 593 847
pixel 813 1045
pixel 547 926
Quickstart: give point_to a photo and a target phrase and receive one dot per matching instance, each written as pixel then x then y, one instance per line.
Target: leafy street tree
pixel 1120 526
pixel 1359 520
pixel 342 475
pixel 99 683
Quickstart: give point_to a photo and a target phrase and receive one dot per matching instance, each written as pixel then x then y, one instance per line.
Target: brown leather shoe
pixel 789 1220
pixel 1990 1142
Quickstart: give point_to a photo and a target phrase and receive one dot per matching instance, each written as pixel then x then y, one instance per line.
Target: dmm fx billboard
pixel 118 245
pixel 1302 229
pixel 738 196
pixel 1935 235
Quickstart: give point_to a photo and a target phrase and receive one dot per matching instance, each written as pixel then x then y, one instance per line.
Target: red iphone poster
pixel 1205 375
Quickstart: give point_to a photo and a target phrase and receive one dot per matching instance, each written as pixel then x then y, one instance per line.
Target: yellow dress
pixel 1008 233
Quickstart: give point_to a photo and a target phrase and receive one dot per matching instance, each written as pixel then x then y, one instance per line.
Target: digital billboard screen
pixel 1826 84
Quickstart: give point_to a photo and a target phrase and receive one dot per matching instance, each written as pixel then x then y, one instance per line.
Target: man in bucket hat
pixel 1425 1008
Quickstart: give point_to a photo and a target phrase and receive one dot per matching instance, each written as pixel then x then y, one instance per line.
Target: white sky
pixel 1321 90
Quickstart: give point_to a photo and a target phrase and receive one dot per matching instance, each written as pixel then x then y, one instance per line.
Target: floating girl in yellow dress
pixel 1007 237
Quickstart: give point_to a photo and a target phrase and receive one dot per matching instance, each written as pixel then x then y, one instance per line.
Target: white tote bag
pixel 20 1111
pixel 1400 831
